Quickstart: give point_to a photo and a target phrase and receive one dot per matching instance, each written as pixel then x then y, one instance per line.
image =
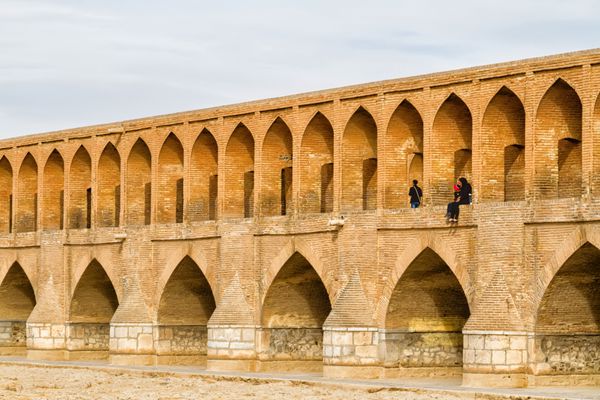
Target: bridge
pixel 277 235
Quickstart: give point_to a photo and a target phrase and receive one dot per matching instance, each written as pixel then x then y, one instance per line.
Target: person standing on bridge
pixel 461 196
pixel 415 194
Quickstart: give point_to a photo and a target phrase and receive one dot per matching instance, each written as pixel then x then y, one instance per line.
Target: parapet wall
pixel 205 238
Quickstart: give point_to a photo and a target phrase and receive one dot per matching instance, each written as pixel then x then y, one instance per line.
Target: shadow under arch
pixel 184 308
pixel 92 306
pixel 424 315
pixel 566 333
pixel 293 311
pixel 17 300
pixel 414 248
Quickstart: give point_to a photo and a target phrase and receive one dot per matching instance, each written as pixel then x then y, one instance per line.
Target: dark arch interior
pixel 425 316
pixel 568 320
pixel 17 300
pixel 92 306
pixel 293 313
pixel 186 304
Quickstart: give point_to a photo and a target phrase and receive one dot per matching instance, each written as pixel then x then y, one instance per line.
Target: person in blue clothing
pixel 415 194
pixel 461 196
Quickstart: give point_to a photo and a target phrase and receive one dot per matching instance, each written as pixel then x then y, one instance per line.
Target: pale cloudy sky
pixel 69 63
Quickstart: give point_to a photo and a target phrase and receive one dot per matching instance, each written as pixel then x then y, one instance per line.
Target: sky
pixel 71 63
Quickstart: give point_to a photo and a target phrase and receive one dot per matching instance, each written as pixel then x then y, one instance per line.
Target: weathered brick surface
pixel 207 232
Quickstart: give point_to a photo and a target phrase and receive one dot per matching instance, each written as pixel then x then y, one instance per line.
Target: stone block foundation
pixel 290 349
pixel 231 348
pixel 132 344
pixel 494 359
pixel 422 353
pixel 87 341
pixel 46 341
pixel 13 338
pixel 572 359
pixel 351 352
pixel 181 344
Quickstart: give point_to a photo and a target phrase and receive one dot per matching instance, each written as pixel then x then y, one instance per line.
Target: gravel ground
pixel 34 382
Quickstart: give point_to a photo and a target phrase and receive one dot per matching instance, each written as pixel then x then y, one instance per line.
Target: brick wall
pixel 176 187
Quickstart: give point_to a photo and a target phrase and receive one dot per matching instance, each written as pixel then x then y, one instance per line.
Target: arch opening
pixel 54 192
pixel 204 178
pixel 6 196
pixel 425 317
pixel 293 312
pixel 93 304
pixel 503 144
pixel 80 181
pixel 239 174
pixel 27 196
pixel 359 162
pixel 139 184
pixel 451 148
pixel 17 300
pixel 567 333
pixel 404 148
pixel 109 187
pixel 316 167
pixel 184 309
pixel 276 179
pixel 170 182
pixel 558 143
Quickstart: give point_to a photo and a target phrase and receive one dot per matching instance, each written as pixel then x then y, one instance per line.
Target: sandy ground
pixel 25 382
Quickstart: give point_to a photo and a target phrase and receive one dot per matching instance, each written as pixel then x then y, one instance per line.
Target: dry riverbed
pixel 36 382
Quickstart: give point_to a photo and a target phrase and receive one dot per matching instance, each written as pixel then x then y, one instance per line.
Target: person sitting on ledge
pixel 461 196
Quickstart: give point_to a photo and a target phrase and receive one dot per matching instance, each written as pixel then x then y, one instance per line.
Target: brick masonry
pixel 216 236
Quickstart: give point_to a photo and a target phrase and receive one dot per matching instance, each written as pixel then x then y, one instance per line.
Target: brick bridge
pixel 204 237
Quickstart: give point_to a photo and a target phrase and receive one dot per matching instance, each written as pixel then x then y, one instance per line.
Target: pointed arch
pixel 359 162
pixel 558 162
pixel 187 297
pixel 109 187
pixel 54 192
pixel 412 250
pixel 316 166
pixel 80 190
pixel 572 326
pixel 427 309
pixel 300 246
pixel 170 181
pixel 6 195
pixel 239 174
pixel 138 183
pixel 204 178
pixel 503 148
pixel 294 309
pixel 451 147
pixel 27 199
pixel 276 175
pixel 17 296
pixel 93 303
pixel 404 154
pixel 17 300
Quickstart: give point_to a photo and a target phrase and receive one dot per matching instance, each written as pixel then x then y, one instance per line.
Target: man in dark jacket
pixel 415 194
